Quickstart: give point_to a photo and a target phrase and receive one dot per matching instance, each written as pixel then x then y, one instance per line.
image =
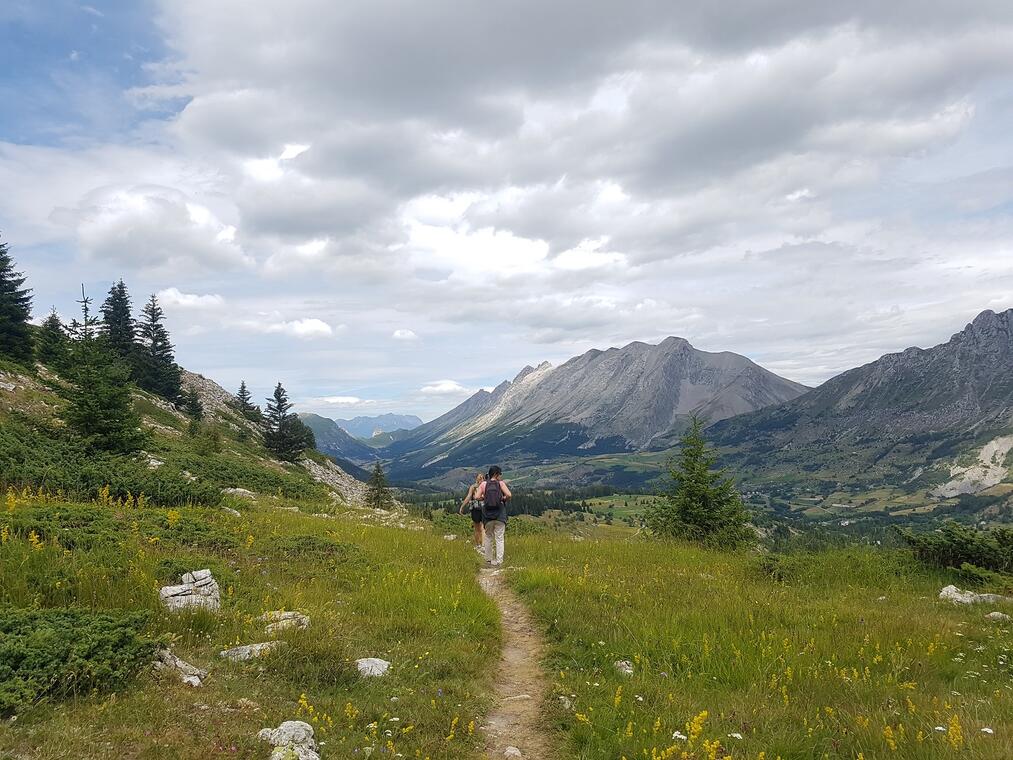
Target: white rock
pixel 198 589
pixel 167 662
pixel 372 667
pixel 240 493
pixel 250 651
pixel 233 512
pixel 449 537
pixel 512 752
pixel 566 702
pixel 955 595
pixel 292 740
pixel 998 617
pixel 284 620
pixel 624 667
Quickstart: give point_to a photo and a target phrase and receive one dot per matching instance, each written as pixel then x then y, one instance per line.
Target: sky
pixel 387 205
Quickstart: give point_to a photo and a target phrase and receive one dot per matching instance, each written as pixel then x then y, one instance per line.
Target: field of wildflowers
pixel 839 654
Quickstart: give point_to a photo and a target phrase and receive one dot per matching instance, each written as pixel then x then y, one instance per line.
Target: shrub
pixel 312 546
pixel 955 545
pixel 59 653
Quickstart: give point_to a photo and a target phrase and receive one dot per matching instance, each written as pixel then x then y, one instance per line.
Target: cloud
pixel 404 334
pixel 306 329
pixel 174 297
pixel 344 400
pixel 444 388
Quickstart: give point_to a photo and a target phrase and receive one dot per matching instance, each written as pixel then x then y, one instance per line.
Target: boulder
pixel 292 739
pixel 240 493
pixel 250 651
pixel 284 620
pixel 198 589
pixel 233 512
pixel 955 595
pixel 998 617
pixel 512 752
pixel 372 667
pixel 168 663
pixel 624 667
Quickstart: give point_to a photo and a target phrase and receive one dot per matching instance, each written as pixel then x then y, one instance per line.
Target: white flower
pixel 987 730
pixel 735 735
pixel 941 729
pixel 679 735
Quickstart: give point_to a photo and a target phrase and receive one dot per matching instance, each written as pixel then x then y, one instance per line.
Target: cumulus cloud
pixel 174 297
pixel 444 388
pixel 404 334
pixel 305 329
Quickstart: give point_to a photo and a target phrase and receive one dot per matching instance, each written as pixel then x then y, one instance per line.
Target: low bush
pixel 312 546
pixel 955 545
pixel 59 653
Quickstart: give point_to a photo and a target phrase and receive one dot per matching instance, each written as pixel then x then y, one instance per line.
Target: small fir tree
pixel 118 326
pixel 244 402
pixel 702 504
pixel 52 343
pixel 156 368
pixel 100 407
pixel 285 435
pixel 15 311
pixel 377 493
pixel 192 404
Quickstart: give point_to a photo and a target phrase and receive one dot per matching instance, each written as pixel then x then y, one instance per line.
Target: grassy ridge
pixel 800 657
pixel 407 596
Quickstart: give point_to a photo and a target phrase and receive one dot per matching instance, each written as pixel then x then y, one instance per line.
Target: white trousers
pixel 495 541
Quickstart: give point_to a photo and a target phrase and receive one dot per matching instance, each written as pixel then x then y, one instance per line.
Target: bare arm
pixel 506 490
pixel 466 500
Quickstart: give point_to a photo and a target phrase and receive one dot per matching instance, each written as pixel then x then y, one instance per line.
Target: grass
pixel 366 588
pixel 799 656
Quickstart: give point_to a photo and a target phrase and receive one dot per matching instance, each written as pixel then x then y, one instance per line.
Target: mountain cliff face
pixel 622 399
pixel 912 406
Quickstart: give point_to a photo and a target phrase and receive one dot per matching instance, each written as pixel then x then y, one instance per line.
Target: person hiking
pixel 495 494
pixel 473 502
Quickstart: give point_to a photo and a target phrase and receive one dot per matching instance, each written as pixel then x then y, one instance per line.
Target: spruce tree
pixel 156 368
pixel 285 435
pixel 52 343
pixel 377 493
pixel 100 406
pixel 244 402
pixel 118 326
pixel 15 311
pixel 702 504
pixel 192 404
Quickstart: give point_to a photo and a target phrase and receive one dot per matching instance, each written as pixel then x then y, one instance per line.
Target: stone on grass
pixel 955 595
pixel 998 617
pixel 512 752
pixel 250 651
pixel 233 512
pixel 624 667
pixel 167 662
pixel 198 589
pixel 284 620
pixel 241 493
pixel 372 667
pixel 292 740
pixel 450 537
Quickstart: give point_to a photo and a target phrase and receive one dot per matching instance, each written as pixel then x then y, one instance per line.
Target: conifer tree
pixel 52 343
pixel 100 407
pixel 244 402
pixel 702 504
pixel 15 311
pixel 156 368
pixel 118 326
pixel 192 404
pixel 377 493
pixel 285 435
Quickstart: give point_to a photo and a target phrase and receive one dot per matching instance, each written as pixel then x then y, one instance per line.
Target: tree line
pixel 104 355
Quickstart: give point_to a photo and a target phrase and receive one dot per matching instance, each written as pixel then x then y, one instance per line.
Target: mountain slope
pixel 367 427
pixel 622 399
pixel 336 442
pixel 902 411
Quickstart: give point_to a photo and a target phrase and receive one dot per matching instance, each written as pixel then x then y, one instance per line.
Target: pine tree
pixel 118 326
pixel 377 493
pixel 192 404
pixel 156 368
pixel 702 504
pixel 244 402
pixel 100 406
pixel 84 330
pixel 285 435
pixel 52 345
pixel 15 311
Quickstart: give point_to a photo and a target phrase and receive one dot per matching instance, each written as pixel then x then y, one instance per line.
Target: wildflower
pixel 891 741
pixel 5 534
pixel 735 735
pixel 173 516
pixel 695 727
pixel 987 730
pixel 675 735
pixel 12 499
pixel 955 732
pixel 33 539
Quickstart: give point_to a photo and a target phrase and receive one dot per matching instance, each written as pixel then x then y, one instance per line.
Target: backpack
pixel 492 504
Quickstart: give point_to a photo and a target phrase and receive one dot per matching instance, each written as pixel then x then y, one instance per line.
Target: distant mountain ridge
pixel 335 441
pixel 623 399
pixel 369 426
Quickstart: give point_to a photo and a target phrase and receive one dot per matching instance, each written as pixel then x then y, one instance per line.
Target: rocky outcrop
pixel 217 402
pixel 350 490
pixel 250 651
pixel 372 667
pixel 284 620
pixel 292 740
pixel 166 663
pixel 197 590
pixel 955 595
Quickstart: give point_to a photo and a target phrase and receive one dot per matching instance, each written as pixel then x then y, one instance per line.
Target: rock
pixel 167 662
pixel 998 617
pixel 239 493
pixel 233 512
pixel 198 589
pixel 512 752
pixel 250 651
pixel 566 702
pixel 372 667
pixel 955 595
pixel 450 537
pixel 8 387
pixel 153 462
pixel 624 667
pixel 282 620
pixel 292 740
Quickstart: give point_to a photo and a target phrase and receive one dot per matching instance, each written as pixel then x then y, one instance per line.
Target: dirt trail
pixel 516 721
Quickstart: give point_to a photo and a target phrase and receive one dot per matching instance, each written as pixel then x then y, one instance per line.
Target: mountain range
pixel 370 427
pixel 625 399
pixel 336 442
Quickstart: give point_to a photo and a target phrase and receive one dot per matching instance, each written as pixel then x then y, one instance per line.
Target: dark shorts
pixel 476 515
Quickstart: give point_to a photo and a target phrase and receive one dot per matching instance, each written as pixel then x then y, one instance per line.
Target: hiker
pixel 473 502
pixel 495 494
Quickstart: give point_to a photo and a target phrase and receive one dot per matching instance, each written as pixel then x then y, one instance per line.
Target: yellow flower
pixel 955 733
